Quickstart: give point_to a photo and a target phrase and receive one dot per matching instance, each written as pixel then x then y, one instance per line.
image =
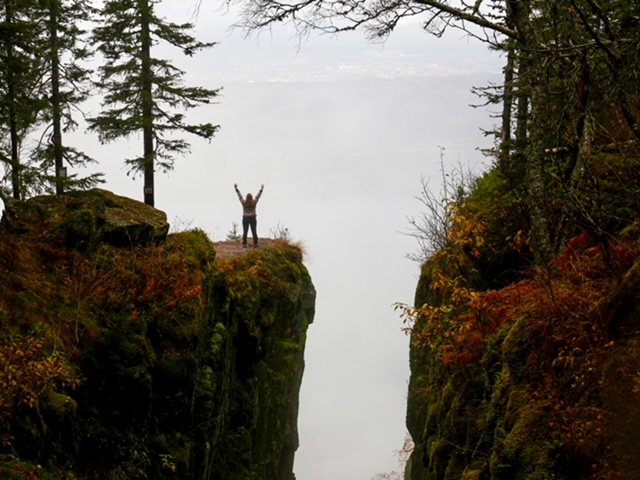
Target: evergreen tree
pixel 67 84
pixel 40 83
pixel 20 85
pixel 145 94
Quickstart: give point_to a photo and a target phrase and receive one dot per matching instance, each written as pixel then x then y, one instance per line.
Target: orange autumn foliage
pixel 559 302
pixel 28 370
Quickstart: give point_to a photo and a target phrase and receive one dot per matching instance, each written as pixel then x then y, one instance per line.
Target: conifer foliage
pixel 142 92
pixel 67 85
pixel 42 83
pixel 46 77
pixel 19 77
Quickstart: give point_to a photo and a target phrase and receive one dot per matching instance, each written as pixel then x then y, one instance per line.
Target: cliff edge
pixel 128 352
pixel 524 369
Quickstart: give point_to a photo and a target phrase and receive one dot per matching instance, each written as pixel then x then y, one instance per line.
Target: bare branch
pixel 378 18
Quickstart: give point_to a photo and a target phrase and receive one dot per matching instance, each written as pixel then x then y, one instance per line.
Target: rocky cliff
pixel 524 370
pixel 128 353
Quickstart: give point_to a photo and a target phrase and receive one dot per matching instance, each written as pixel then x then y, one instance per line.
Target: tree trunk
pixel 55 97
pixel 147 105
pixel 14 138
pixel 540 226
pixel 507 105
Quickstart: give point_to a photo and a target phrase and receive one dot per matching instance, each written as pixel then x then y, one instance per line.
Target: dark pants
pixel 246 223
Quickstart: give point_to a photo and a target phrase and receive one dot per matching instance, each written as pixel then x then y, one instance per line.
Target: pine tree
pixel 40 84
pixel 145 94
pixel 67 87
pixel 20 83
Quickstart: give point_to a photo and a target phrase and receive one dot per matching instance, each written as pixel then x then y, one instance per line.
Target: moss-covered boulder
pixel 80 219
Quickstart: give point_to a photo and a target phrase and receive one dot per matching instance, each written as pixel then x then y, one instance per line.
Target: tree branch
pixel 379 17
pixel 475 18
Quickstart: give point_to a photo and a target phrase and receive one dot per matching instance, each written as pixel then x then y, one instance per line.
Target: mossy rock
pixel 128 222
pixel 79 229
pixel 515 350
pixel 60 404
pixel 190 367
pixel 79 218
pixel 524 453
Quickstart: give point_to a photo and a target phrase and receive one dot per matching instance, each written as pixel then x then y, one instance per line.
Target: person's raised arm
pixel 235 186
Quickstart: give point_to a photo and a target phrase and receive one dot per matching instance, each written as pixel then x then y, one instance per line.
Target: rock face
pixel 548 391
pixel 138 355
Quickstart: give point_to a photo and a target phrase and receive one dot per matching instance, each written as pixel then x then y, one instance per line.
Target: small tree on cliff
pixel 403 457
pixel 141 91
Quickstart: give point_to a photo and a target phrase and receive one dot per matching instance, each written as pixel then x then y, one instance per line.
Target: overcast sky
pixel 340 131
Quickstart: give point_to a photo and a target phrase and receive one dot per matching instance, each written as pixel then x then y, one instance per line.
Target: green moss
pixel 199 251
pixel 524 453
pixel 12 468
pixel 60 404
pixel 515 349
pixel 218 339
pixel 472 474
pixel 79 229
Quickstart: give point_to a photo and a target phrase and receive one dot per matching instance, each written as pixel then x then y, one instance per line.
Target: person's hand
pixel 235 185
pixel 262 187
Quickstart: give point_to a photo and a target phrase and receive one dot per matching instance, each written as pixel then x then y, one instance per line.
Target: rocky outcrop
pixel 158 361
pixel 97 216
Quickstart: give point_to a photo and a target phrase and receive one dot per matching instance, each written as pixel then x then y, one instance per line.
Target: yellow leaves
pixel 427 324
pixel 457 321
pixel 27 371
pixel 455 317
pixel 254 270
pixel 168 463
pixel 466 235
pixel 519 241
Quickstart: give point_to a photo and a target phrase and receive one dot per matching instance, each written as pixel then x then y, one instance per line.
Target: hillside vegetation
pixel 525 365
pixel 525 345
pixel 129 354
pixel 525 370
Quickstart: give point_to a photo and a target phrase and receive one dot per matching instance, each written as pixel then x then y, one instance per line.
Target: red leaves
pixel 146 280
pixel 559 304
